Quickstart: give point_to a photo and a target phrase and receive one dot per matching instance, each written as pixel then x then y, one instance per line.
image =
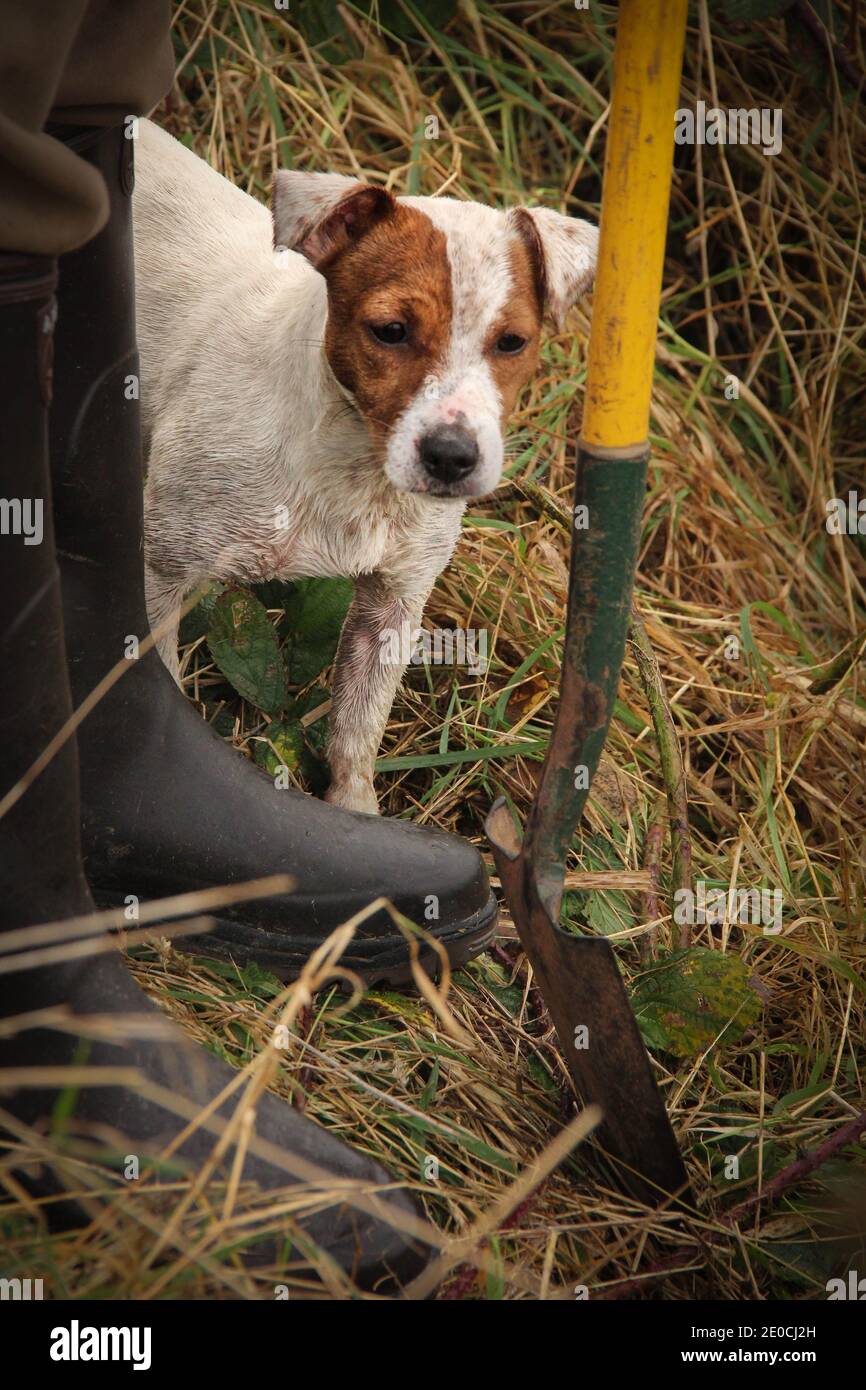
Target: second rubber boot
pixel 167 806
pixel 41 879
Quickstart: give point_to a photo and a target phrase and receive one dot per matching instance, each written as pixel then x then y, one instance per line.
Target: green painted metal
pixel 608 500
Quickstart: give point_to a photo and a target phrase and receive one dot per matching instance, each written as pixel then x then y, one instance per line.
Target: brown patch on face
pixel 397 273
pixel 522 315
pixel 528 233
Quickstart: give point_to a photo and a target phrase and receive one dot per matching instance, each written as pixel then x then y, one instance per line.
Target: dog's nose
pixel 448 453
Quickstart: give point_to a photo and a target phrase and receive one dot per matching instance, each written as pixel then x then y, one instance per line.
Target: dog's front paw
pixel 354 795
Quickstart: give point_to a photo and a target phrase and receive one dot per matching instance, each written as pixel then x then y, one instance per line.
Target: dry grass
pixel 764 280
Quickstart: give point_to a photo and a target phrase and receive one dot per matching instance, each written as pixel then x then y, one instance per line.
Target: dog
pixel 324 387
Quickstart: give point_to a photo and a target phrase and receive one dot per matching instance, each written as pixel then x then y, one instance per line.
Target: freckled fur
pixel 260 391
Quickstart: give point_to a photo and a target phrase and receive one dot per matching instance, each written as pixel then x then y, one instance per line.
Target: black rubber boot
pixel 41 875
pixel 167 806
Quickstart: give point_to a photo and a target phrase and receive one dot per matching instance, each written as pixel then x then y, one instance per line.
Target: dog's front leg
pixel 371 659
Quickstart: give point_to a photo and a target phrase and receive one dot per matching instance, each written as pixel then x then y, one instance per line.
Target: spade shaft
pixel 579 976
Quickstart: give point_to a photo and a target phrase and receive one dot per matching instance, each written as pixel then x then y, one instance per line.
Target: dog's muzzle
pixel 448 453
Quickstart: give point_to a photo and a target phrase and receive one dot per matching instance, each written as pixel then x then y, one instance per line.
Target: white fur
pixel 257 467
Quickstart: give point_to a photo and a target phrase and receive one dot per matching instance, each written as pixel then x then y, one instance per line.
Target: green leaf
pixel 753 655
pixel 260 982
pixel 196 622
pixel 788 625
pixel 813 1092
pixel 425 1099
pixel 495 1278
pixel 315 612
pixel 509 996
pixel 603 912
pixel 281 745
pixel 222 721
pixel 244 646
pixel 609 912
pixel 420 1128
pixel 539 1073
pixel 287 744
pixel 526 748
pixel 692 997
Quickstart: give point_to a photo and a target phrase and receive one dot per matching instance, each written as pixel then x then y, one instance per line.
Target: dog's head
pixel 435 309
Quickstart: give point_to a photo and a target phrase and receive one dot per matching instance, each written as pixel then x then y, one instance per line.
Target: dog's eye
pixel 389 333
pixel 510 343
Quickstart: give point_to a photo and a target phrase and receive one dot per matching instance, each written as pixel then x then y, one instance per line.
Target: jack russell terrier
pixel 323 390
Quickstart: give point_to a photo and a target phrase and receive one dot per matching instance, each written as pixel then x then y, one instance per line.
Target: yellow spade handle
pixel 634 214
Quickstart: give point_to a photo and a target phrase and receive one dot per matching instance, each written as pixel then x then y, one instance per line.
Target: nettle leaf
pixel 693 997
pixel 315 611
pixel 602 912
pixel 609 912
pixel 244 646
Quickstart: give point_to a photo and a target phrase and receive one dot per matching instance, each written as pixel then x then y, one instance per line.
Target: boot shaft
pixel 40 866
pixel 94 429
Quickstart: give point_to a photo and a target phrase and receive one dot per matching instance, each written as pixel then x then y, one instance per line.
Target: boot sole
pixel 388 964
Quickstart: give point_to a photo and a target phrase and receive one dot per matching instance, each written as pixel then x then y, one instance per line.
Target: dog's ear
pixel 320 215
pixel 564 251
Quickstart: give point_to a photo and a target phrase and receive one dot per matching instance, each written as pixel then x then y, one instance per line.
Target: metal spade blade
pixel 583 989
